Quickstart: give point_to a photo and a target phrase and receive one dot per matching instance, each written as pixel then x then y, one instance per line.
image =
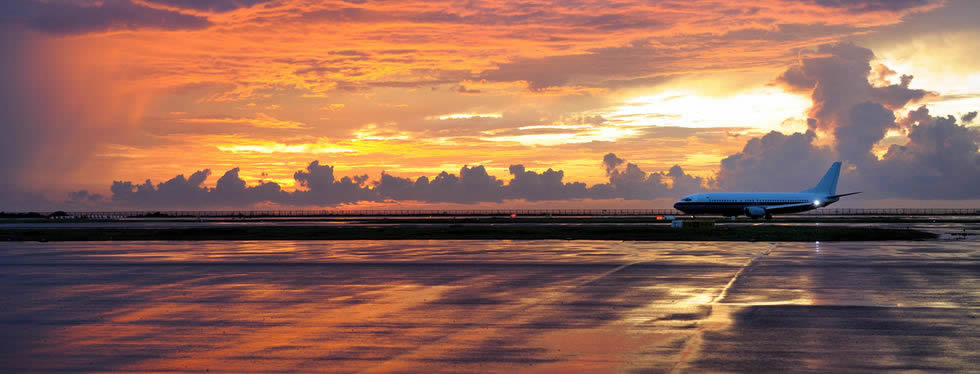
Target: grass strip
pixel 474 232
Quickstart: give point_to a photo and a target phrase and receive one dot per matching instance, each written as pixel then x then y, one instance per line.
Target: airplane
pixel 764 204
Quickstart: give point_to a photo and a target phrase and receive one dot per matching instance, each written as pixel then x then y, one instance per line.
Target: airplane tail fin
pixel 828 184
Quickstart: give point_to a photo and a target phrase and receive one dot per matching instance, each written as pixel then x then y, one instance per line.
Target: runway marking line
pixel 693 343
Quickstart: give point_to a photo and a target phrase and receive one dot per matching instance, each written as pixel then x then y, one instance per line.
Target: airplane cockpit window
pixel 686 199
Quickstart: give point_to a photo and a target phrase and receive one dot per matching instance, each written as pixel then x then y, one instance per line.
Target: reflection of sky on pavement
pixel 454 306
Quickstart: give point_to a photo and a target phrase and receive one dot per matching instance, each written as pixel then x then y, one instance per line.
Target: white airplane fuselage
pixel 765 204
pixel 743 203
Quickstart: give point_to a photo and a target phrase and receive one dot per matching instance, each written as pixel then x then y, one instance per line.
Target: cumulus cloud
pixel 83 196
pixel 866 124
pixel 231 190
pixel 532 186
pixel 837 78
pixel 683 183
pixel 611 162
pixel 967 118
pixel 472 185
pixel 775 162
pixel 845 103
pixel 85 17
pixel 176 192
pixel 633 183
pixel 320 187
pixel 940 159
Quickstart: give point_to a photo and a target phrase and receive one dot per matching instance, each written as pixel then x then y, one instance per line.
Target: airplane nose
pixel 677 206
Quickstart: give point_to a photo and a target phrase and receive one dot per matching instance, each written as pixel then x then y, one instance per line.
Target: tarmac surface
pixel 489 306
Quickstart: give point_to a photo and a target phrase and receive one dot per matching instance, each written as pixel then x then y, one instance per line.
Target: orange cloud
pixel 260 120
pixel 418 86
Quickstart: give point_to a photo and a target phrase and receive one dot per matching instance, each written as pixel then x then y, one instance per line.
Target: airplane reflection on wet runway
pixel 295 306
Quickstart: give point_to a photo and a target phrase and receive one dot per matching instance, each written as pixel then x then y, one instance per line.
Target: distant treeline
pixel 31 214
pixel 22 215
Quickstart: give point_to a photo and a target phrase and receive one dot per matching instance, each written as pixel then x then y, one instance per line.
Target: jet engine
pixel 755 212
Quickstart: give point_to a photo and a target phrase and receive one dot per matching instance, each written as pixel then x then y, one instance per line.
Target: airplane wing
pixel 786 208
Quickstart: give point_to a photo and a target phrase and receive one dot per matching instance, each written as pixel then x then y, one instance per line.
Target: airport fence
pixel 244 214
pixel 894 212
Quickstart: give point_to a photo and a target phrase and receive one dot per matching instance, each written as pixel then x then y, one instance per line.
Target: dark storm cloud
pixel 967 118
pixel 180 192
pixel 472 185
pixel 320 187
pixel 176 192
pixel 683 183
pixel 775 162
pixel 611 162
pixel 110 15
pixel 920 114
pixel 216 6
pixel 867 124
pixel 897 96
pixel 844 100
pixel 940 160
pixel 84 196
pixel 632 183
pixel 231 190
pixel 532 186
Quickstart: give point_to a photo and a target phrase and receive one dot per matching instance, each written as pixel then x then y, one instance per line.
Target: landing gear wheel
pixel 768 217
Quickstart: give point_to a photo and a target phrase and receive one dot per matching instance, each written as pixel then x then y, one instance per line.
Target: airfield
pixel 491 305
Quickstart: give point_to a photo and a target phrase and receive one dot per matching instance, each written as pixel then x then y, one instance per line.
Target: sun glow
pixel 284 148
pixel 415 88
pixel 764 108
pixel 466 116
pixel 584 134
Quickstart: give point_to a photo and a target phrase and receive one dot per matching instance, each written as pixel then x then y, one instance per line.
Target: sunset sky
pixel 100 96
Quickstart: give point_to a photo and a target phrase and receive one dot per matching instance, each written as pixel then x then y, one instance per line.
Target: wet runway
pixel 489 306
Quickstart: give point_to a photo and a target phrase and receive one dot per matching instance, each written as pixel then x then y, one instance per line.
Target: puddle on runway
pixel 546 306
